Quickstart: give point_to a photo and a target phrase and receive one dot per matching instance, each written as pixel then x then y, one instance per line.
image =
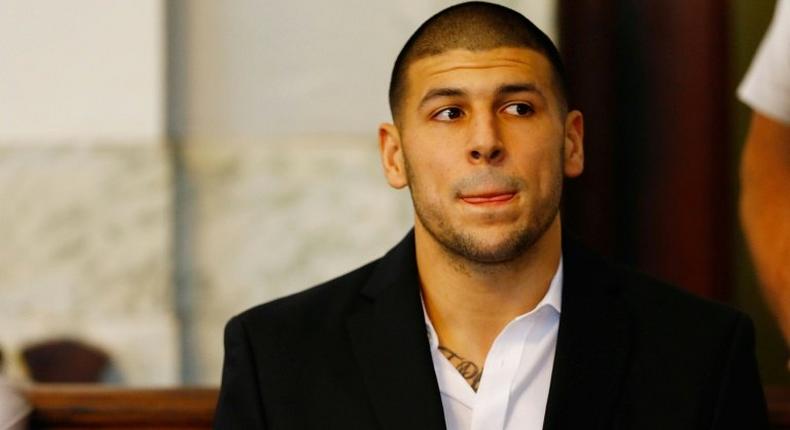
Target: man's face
pixel 482 143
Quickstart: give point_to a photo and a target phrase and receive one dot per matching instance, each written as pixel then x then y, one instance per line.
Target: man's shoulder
pixel 321 311
pixel 655 306
pixel 654 297
pixel 665 310
pixel 312 306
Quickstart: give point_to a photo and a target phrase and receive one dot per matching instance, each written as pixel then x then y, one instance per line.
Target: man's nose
pixel 485 145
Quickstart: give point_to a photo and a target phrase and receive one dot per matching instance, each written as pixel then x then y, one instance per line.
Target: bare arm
pixel 765 210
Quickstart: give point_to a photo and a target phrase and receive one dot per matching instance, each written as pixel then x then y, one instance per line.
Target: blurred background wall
pixel 656 82
pixel 167 164
pixel 273 109
pixel 86 200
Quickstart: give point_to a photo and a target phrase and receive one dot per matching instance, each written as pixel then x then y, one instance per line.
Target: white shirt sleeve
pixel 766 86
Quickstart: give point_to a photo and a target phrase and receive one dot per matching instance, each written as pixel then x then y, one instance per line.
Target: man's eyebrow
pixel 508 89
pixel 503 90
pixel 441 92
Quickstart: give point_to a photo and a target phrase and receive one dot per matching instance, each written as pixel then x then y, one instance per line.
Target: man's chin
pixel 490 247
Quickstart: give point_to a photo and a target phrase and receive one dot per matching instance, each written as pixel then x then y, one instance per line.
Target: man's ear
pixel 573 156
pixel 392 155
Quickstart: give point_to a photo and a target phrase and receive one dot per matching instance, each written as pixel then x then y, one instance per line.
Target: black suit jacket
pixel 353 353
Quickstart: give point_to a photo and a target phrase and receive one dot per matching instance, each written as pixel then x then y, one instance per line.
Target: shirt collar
pixel 553 299
pixel 553 296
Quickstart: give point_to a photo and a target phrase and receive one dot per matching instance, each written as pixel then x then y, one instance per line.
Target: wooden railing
pixel 100 407
pixel 779 406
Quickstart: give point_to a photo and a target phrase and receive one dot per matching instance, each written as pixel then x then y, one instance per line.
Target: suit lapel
pixel 389 339
pixel 592 345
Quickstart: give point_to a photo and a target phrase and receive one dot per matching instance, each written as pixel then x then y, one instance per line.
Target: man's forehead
pixel 453 64
pixel 505 54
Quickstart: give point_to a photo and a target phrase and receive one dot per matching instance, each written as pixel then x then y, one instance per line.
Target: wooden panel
pixel 779 406
pixel 650 78
pixel 100 407
pixel 587 34
pixel 685 216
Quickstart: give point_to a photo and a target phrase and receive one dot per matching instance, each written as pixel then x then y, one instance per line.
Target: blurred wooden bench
pixel 779 406
pixel 102 407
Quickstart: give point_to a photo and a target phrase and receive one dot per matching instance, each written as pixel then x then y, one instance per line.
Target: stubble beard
pixel 467 246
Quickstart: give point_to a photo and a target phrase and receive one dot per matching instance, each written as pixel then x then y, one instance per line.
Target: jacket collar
pixel 592 344
pixel 389 339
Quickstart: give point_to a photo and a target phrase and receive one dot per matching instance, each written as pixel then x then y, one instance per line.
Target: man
pixel 485 316
pixel 765 166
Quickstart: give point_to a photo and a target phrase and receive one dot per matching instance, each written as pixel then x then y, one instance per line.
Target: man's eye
pixel 519 109
pixel 449 114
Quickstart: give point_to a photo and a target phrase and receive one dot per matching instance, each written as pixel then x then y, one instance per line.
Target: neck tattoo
pixel 469 370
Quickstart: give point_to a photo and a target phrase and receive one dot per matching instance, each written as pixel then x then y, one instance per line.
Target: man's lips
pixel 498 197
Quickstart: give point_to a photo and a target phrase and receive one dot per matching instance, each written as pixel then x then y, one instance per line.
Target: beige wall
pixel 85 190
pixel 271 68
pixel 81 71
pixel 272 182
pixel 276 106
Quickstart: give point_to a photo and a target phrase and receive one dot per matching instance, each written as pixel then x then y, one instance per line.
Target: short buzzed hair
pixel 475 26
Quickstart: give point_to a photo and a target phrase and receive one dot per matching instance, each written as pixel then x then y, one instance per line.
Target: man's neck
pixel 470 303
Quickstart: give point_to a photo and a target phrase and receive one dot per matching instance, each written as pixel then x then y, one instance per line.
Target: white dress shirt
pixel 514 386
pixel 766 86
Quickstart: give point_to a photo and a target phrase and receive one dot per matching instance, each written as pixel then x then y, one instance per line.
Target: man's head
pixel 482 135
pixel 474 26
